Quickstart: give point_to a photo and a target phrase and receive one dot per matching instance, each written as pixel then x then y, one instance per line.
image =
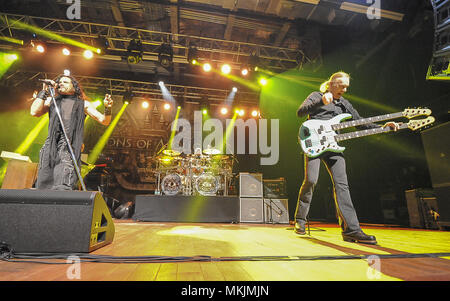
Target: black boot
pixel 360 237
pixel 299 227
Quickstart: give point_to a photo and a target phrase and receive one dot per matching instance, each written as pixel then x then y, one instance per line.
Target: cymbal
pixel 211 151
pixel 170 152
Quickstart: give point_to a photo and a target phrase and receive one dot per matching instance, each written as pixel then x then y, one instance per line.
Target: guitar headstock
pixel 420 123
pixel 416 112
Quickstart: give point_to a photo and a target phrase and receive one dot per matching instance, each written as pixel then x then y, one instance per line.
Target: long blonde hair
pixel 326 85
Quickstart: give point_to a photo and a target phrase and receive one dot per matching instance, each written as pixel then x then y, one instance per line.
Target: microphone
pixel 47 81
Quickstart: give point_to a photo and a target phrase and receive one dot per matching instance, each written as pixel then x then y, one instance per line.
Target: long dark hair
pixel 79 93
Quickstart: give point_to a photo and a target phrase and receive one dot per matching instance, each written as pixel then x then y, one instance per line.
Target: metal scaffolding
pixel 118 37
pixel 98 85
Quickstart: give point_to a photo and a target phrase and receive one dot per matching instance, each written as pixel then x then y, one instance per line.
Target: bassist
pixel 324 105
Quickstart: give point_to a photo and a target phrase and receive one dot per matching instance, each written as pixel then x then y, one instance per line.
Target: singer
pixel 324 105
pixel 56 167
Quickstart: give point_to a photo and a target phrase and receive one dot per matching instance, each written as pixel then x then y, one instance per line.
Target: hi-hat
pixel 170 152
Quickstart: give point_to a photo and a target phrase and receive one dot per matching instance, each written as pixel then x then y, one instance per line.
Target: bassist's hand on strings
pixel 393 125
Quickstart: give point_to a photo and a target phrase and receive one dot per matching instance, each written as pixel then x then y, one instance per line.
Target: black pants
pixel 335 163
pixel 62 175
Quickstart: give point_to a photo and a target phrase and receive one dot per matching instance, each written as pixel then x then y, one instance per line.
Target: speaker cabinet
pixel 276 211
pixel 250 185
pixel 251 210
pixel 422 208
pixel 49 221
pixel 437 153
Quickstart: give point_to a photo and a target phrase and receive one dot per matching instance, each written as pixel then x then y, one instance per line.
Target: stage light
pixel 161 83
pixel 40 48
pixel 103 45
pixel 223 111
pixel 128 96
pixel 192 56
pixel 166 106
pixel 66 51
pixel 244 71
pixel 262 81
pixel 207 67
pixel 226 68
pixel 234 89
pixel 66 72
pixel 204 111
pixel 240 112
pixel 165 55
pixel 88 54
pixel 145 104
pixel 253 61
pixel 135 51
pixel 255 113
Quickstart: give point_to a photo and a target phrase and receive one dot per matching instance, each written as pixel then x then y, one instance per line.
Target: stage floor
pixel 252 252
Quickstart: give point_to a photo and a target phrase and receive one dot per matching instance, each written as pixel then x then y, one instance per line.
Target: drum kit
pixel 202 173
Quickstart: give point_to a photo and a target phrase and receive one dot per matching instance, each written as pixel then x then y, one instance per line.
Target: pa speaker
pixel 50 221
pixel 250 185
pixel 276 211
pixel 251 210
pixel 439 68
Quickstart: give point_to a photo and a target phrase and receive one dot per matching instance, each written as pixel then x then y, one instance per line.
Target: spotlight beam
pixel 166 94
pixel 6 60
pixel 174 127
pixel 44 33
pixel 98 148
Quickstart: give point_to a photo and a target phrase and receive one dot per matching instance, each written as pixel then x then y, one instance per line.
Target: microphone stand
pixel 69 145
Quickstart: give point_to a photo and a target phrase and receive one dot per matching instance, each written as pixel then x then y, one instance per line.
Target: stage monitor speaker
pixel 276 211
pixel 251 210
pixel 50 221
pixel 422 208
pixel 251 185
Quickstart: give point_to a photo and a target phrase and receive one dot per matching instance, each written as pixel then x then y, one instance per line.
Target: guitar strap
pixel 343 106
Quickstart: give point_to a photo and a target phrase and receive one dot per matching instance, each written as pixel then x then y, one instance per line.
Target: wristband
pixel 42 95
pixel 108 111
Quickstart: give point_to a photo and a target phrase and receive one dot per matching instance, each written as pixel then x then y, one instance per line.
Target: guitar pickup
pixel 308 143
pixel 320 129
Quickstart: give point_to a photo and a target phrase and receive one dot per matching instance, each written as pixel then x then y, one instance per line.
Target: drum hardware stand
pixel 270 210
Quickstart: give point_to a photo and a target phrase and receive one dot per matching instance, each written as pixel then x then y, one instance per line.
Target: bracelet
pixel 42 95
pixel 108 111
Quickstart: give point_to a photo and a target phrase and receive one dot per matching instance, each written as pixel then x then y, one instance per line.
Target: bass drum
pixel 207 184
pixel 171 184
